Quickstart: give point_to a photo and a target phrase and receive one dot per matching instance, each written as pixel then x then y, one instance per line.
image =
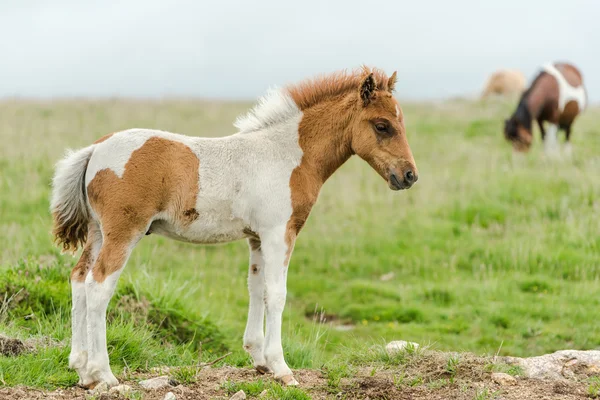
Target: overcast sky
pixel 237 49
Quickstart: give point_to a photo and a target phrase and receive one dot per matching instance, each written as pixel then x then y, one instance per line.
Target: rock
pixel 170 396
pixel 503 379
pixel 398 345
pixel 561 365
pixel 238 396
pixel 121 389
pixel 262 394
pixel 155 383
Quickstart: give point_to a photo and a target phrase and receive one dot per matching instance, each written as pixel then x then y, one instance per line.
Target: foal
pixel 259 184
pixel 557 95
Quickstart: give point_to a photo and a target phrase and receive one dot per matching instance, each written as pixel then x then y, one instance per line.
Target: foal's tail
pixel 69 204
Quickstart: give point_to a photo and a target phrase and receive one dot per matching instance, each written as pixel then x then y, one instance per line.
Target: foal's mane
pixel 313 91
pixel 278 105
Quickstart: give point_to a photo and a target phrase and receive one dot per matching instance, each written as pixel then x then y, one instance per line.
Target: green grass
pixel 487 248
pixel 594 387
pixel 273 391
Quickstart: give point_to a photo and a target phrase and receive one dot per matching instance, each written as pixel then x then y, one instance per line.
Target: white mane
pixel 273 108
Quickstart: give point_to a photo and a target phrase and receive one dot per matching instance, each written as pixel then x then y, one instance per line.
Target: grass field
pixel 488 252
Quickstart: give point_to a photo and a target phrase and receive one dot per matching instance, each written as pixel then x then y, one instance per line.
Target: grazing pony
pixel 259 184
pixel 557 95
pixel 504 82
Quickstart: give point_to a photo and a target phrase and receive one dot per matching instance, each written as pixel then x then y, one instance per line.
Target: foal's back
pixel 203 190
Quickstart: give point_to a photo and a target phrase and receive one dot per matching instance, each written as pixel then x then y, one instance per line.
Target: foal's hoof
pixel 288 380
pixel 96 387
pixel 262 369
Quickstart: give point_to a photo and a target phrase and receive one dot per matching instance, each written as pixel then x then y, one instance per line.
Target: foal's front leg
pixel 254 337
pixel 276 256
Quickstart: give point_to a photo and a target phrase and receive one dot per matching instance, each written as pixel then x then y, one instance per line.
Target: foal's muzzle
pixel 403 181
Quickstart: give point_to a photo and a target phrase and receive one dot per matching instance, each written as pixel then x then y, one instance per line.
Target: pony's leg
pixel 542 130
pixel 254 337
pixel 276 253
pixel 79 355
pixel 100 285
pixel 568 147
pixel 551 142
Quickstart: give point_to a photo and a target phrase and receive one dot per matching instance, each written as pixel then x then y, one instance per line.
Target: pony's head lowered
pixel 378 132
pixel 517 129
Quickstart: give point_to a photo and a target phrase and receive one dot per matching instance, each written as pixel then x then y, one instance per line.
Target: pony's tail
pixel 69 204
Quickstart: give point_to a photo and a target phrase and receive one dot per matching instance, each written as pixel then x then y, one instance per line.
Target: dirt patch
pixel 471 382
pixel 11 347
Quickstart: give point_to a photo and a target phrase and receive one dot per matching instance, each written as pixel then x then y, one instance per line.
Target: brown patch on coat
pixel 571 74
pixel 80 269
pixel 160 176
pixel 104 138
pixel 338 121
pixel 253 239
pixel 254 268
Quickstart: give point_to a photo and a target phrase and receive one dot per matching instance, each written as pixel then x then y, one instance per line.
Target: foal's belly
pixel 204 230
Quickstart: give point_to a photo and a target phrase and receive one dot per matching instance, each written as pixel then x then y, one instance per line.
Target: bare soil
pixel 471 381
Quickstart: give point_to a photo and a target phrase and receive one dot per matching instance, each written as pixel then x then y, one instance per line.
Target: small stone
pixel 263 394
pixel 155 383
pixel 238 396
pixel 503 379
pixel 170 396
pixel 399 345
pixel 121 389
pixel 387 277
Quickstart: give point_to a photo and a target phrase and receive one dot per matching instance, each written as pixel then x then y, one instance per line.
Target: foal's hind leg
pixel 254 337
pixel 79 351
pixel 100 285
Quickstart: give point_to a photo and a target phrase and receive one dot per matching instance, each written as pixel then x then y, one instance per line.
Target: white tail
pixel 68 204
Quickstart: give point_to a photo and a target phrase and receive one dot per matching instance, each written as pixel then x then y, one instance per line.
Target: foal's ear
pixel 367 89
pixel 392 82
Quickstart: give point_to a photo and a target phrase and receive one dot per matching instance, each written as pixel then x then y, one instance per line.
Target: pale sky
pixel 237 49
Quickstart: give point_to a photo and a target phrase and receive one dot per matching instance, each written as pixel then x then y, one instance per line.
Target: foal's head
pixel 379 135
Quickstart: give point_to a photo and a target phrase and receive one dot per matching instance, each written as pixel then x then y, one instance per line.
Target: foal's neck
pixel 325 137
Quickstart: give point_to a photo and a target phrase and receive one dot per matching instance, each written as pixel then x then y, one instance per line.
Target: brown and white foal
pixel 259 184
pixel 557 95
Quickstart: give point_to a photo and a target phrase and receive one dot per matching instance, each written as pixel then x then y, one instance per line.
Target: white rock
pixel 503 379
pixel 170 396
pixel 398 345
pixel 238 396
pixel 560 365
pixel 121 389
pixel 155 383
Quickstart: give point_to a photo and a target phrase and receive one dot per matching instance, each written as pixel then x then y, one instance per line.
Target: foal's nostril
pixel 409 176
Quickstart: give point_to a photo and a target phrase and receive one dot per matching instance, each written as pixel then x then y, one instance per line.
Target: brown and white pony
pixel 504 82
pixel 557 95
pixel 259 184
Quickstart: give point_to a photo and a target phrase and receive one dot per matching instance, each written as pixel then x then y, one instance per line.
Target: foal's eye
pixel 382 128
